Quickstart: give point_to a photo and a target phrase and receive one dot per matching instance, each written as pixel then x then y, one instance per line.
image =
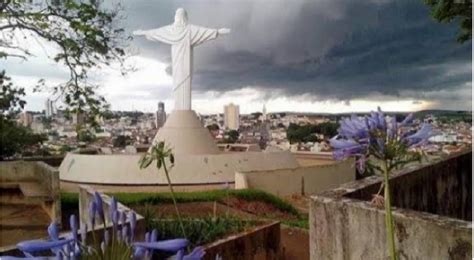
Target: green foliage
pixel 256 115
pixel 158 153
pixel 65 148
pixel 84 34
pixel 446 11
pixel 299 223
pixel 213 127
pixel 10 97
pixel 115 250
pixel 14 138
pixel 232 136
pixel 122 141
pixel 70 200
pixel 305 133
pixel 86 136
pixel 200 231
pixel 161 153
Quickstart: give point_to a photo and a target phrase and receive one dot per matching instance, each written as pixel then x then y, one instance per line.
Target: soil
pixel 258 208
pixel 294 241
pixel 193 209
pixel 299 202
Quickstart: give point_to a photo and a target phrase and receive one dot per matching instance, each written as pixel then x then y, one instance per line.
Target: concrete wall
pixel 345 227
pixel 17 171
pixel 46 176
pixel 262 242
pixel 188 169
pixel 442 187
pixel 297 180
pixel 49 178
pixel 86 195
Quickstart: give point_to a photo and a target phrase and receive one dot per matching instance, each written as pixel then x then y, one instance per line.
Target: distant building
pixel 48 109
pixel 26 119
pixel 160 115
pixel 264 113
pixel 231 117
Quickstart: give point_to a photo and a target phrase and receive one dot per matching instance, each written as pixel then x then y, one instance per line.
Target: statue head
pixel 181 17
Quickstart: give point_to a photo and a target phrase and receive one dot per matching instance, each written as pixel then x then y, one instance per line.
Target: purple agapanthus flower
pixel 172 245
pixel 369 136
pixel 73 225
pixel 53 231
pixel 92 213
pixel 113 207
pixel 100 206
pixel 33 246
pixel 72 248
pixel 133 224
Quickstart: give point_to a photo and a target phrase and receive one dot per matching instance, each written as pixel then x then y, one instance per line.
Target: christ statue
pixel 182 37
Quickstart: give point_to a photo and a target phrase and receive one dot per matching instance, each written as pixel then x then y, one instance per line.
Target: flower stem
pixel 388 215
pixel 173 197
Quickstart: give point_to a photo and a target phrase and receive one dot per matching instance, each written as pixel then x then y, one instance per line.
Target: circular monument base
pixel 184 133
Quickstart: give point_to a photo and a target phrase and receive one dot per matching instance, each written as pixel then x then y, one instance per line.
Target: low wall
pixel 345 225
pixel 86 195
pixel 46 176
pixel 441 187
pixel 119 169
pixel 262 242
pixel 297 180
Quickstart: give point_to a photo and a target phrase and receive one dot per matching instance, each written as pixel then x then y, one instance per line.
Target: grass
pixel 300 223
pixel 71 200
pixel 200 231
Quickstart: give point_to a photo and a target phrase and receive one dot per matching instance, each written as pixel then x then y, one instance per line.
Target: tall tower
pixel 160 115
pixel 48 109
pixel 231 117
pixel 264 113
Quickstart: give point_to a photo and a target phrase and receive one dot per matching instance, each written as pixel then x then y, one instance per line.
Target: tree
pixel 86 136
pixel 213 127
pixel 84 34
pixel 256 115
pixel 328 129
pixel 445 11
pixel 122 141
pixel 14 138
pixel 231 136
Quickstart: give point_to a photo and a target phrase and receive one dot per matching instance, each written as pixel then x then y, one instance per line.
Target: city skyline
pixel 394 56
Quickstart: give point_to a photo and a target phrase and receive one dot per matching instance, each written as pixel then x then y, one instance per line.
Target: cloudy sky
pixel 299 55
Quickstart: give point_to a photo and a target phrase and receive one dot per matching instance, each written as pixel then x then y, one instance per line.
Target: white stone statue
pixel 182 37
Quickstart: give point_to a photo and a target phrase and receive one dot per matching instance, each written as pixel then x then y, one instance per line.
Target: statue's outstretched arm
pixel 201 34
pixel 139 32
pixel 162 34
pixel 223 31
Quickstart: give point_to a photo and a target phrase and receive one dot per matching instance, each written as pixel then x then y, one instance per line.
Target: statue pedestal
pixel 184 133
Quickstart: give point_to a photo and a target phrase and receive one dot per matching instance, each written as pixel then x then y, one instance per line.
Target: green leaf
pixel 158 164
pixel 171 158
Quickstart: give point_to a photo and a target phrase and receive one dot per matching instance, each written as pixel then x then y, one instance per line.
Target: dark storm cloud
pixel 319 49
pixel 329 49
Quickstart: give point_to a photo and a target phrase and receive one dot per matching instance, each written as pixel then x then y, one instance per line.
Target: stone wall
pixel 431 199
pixel 298 180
